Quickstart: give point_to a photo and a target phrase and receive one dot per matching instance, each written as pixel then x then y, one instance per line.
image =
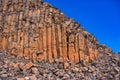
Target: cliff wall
pixel 35 30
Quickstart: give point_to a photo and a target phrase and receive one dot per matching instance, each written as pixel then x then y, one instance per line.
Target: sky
pixel 99 17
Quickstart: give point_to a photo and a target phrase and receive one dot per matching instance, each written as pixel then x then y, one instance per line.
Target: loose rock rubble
pixel 104 68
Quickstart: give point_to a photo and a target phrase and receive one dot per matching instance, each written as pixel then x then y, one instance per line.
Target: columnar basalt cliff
pixel 35 30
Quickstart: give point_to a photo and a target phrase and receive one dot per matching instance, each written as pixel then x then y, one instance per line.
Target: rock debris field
pixel 105 68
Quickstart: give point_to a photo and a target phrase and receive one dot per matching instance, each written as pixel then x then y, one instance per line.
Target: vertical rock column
pixel 71 47
pixel 20 42
pixel 0 40
pixel 25 41
pixel 92 49
pixel 41 14
pixel 54 49
pixel 4 43
pixel 5 37
pixel 82 47
pixel 5 31
pixel 33 45
pixel 37 38
pixel 41 42
pixel 49 51
pixel 59 42
pixel 96 53
pixel 13 46
pixel 20 35
pixel 76 48
pixel 64 43
pixel 91 54
pixel 26 48
pixel 1 29
pixel 45 42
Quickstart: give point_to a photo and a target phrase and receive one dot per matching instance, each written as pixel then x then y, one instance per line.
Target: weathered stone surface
pixel 4 75
pixel 66 65
pixel 36 30
pixel 27 66
pixel 35 70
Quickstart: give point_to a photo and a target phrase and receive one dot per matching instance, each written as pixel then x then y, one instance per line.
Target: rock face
pixel 32 29
pixel 35 30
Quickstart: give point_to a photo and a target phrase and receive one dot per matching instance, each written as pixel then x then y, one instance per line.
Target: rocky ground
pixel 105 68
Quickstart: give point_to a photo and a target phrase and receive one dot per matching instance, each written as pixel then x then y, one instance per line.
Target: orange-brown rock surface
pixel 35 30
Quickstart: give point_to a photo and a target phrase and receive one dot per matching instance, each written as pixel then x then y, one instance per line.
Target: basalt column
pixel 20 42
pixel 59 41
pixel 76 44
pixel 49 46
pixel 64 42
pixel 44 51
pixel 54 45
pixel 1 29
pixel 82 48
pixel 12 42
pixel 25 41
pixel 71 47
pixel 0 41
pixel 35 30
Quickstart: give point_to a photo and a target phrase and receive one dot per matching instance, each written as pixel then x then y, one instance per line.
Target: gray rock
pixel 4 75
pixel 84 69
pixel 75 69
pixel 35 70
pixel 61 65
pixel 66 75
